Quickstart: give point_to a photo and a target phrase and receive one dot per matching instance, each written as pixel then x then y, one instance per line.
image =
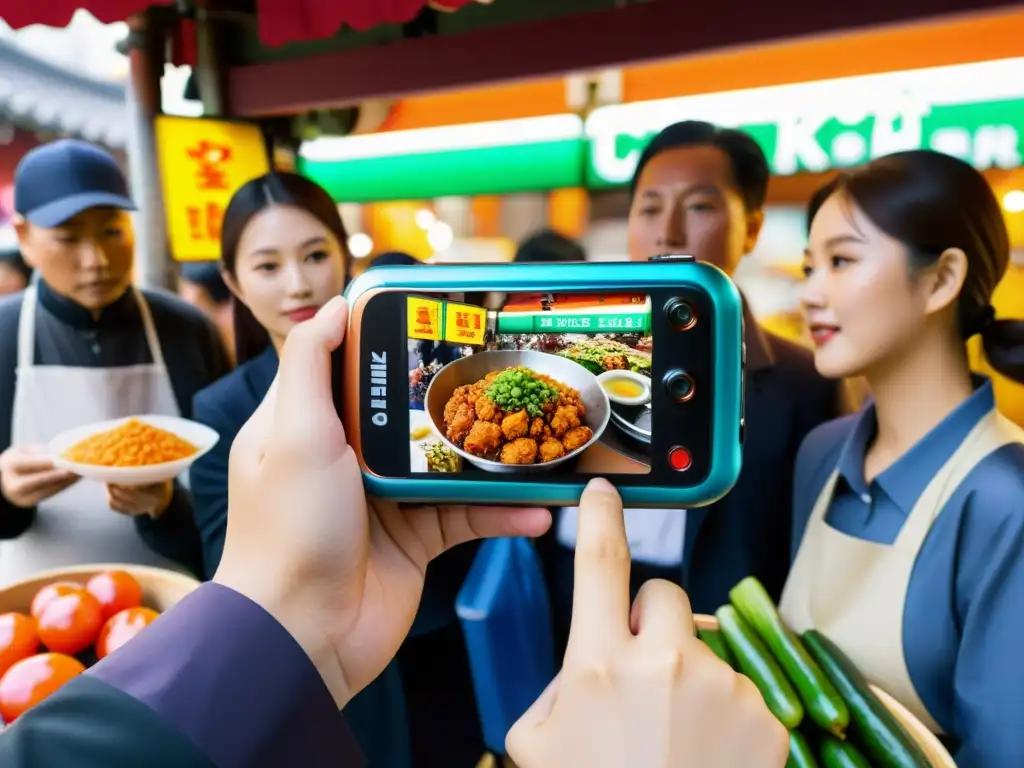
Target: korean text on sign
pixel 202 164
pixel 424 318
pixel 634 322
pixel 464 324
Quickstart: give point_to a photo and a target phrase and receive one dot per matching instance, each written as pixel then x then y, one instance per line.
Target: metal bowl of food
pixel 490 415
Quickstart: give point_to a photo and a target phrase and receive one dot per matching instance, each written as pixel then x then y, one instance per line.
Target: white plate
pixel 645 387
pixel 201 436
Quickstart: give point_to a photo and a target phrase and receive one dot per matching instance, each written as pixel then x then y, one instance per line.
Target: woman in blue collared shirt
pixel 909 516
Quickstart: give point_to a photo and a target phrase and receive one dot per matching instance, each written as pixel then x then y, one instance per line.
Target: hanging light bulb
pixel 440 236
pixel 425 218
pixel 1013 201
pixel 360 245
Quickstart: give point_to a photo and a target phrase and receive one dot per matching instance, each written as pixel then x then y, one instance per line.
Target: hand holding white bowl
pixel 29 476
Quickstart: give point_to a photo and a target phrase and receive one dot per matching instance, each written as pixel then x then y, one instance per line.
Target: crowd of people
pixel 895 527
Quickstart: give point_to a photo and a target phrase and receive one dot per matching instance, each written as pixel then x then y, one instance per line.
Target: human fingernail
pixel 333 307
pixel 602 485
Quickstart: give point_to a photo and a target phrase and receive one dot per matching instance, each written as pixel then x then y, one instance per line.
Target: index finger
pixel 600 600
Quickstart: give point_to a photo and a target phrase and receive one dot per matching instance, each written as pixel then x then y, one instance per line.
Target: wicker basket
pixel 925 739
pixel 160 588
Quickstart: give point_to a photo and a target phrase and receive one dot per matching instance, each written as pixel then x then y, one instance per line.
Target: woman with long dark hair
pixel 909 515
pixel 283 255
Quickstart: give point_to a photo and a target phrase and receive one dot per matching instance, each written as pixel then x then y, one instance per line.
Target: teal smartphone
pixel 517 383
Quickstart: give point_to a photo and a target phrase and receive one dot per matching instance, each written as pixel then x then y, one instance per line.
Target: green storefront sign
pixel 538 166
pixel 988 134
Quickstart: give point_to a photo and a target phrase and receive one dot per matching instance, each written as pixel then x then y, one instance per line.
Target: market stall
pixel 418 50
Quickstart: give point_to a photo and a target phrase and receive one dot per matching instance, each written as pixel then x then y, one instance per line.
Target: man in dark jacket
pixel 79 346
pixel 699 189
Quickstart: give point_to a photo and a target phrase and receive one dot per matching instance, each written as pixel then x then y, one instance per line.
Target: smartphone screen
pixel 498 386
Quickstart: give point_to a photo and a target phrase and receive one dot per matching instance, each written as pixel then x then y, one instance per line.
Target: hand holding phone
pixel 346 572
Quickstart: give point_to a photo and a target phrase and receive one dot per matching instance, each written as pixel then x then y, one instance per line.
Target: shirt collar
pixel 759 354
pixel 905 480
pixel 74 314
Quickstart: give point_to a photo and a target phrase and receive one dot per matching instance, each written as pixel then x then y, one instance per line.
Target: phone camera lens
pixel 679 386
pixel 681 315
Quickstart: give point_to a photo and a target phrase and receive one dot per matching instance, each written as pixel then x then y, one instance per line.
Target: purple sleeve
pixel 224 673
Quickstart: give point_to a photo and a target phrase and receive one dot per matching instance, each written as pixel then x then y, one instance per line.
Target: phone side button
pixel 743 430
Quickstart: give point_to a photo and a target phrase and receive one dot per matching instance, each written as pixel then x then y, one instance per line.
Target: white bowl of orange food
pixel 133 451
pixel 59 622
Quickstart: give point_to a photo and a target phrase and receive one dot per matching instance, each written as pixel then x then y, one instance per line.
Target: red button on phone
pixel 679 459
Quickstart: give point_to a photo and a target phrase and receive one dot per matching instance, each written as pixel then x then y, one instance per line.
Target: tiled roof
pixel 41 96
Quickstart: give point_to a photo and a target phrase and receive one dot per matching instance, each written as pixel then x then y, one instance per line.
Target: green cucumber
pixel 822 701
pixel 873 726
pixel 716 643
pixel 841 754
pixel 756 662
pixel 800 754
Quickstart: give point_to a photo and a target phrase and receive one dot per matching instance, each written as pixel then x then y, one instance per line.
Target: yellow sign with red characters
pixel 465 324
pixel 436 320
pixel 202 164
pixel 425 318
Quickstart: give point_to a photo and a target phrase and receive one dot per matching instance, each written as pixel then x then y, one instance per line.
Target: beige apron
pixel 77 525
pixel 854 591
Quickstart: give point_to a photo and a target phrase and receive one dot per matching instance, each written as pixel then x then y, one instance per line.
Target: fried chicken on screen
pixel 492 419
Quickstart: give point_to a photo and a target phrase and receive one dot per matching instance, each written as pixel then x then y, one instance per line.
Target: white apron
pixel 77 525
pixel 854 591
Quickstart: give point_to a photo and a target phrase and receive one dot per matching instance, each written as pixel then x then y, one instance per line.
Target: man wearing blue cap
pixel 81 345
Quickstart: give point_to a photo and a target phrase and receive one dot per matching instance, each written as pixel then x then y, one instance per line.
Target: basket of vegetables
pixel 836 719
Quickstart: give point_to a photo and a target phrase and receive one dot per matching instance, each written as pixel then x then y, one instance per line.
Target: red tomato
pixel 116 591
pixel 31 680
pixel 122 627
pixel 49 593
pixel 18 639
pixel 71 623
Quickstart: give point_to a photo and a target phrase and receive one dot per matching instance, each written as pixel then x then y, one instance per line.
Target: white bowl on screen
pixel 641 384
